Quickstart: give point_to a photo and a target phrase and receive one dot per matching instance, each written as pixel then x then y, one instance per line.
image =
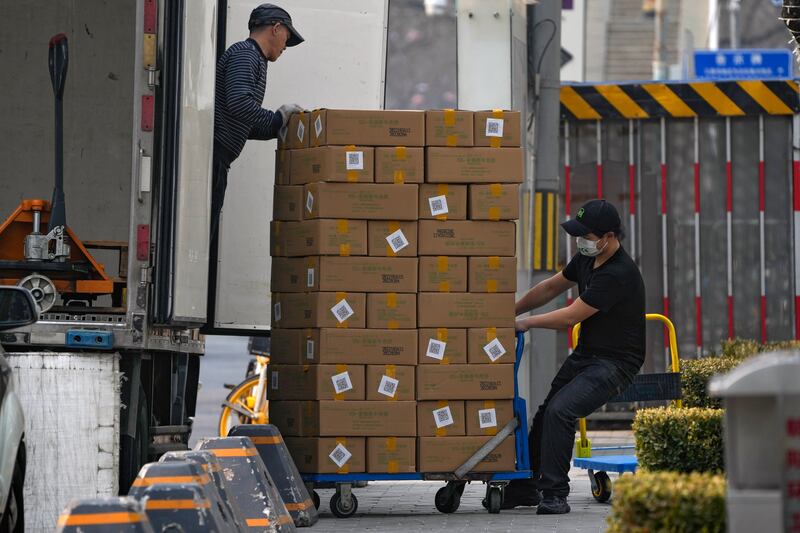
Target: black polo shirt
pixel 616 289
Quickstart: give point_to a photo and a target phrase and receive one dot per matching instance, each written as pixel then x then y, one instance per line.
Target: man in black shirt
pixel 611 349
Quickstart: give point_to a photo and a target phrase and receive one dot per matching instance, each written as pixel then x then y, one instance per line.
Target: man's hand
pixel 287 110
pixel 522 325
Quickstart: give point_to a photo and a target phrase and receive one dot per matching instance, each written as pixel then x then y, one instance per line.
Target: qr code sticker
pixel 494 350
pixel 310 277
pixel 494 127
pixel 355 160
pixel 436 349
pixel 487 418
pixel 301 131
pixel 443 417
pixel 342 311
pixel 438 205
pixel 277 308
pixel 341 382
pixel 340 455
pixel 310 349
pixel 397 241
pixel 318 126
pixel 388 386
pixel 275 380
pixel 309 202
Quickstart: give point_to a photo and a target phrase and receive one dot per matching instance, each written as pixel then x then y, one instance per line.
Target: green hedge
pixel 679 439
pixel 668 501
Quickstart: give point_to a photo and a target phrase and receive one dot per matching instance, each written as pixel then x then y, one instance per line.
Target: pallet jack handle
pixel 58 59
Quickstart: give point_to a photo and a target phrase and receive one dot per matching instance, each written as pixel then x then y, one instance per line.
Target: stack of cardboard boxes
pixel 376 234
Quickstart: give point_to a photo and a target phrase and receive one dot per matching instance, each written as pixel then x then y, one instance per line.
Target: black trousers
pixel 219 182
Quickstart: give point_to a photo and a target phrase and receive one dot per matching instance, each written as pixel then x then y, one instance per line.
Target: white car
pixel 17 309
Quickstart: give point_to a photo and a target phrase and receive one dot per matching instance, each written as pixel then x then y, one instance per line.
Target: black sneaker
pixel 516 496
pixel 553 505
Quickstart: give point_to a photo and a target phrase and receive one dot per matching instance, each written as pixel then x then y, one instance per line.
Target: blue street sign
pixel 743 64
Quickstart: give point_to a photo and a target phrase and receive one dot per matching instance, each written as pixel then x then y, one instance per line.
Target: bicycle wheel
pixel 238 407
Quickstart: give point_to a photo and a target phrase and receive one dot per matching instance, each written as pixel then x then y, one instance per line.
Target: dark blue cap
pixel 267 14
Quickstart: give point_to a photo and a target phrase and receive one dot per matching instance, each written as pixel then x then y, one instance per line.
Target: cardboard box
pixel 287 203
pixel 442 346
pixel 314 455
pixel 282 166
pixel 492 274
pixel 317 382
pixel 496 201
pixel 390 383
pixel 474 165
pixel 370 201
pixel 318 237
pixel 380 233
pixel 442 274
pixel 466 310
pixel 467 237
pixel 465 382
pixel 497 128
pixel 491 345
pixel 345 346
pixel 392 311
pixel 319 309
pixel 353 274
pixel 348 164
pixel 399 164
pixel 296 133
pixel 445 454
pixel 373 128
pixel 357 418
pixel 449 127
pixel 452 207
pixel 487 417
pixel 441 418
pixel 391 455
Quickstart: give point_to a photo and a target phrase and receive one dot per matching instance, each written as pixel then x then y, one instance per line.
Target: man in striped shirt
pixel 240 86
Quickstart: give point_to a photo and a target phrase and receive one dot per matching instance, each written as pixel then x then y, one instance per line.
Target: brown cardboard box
pixel 442 274
pixel 378 232
pixel 282 166
pixel 452 207
pixel 392 311
pixel 496 201
pixel 479 413
pixel 381 383
pixel 445 454
pixel 474 165
pixel 317 382
pixel 296 133
pixel 353 274
pixel 466 237
pixel 441 418
pixel 430 347
pixel 399 164
pixel 465 382
pixel 465 310
pixel 312 455
pixel 357 418
pixel 482 348
pixel 319 309
pixel 318 237
pixel 492 274
pixel 348 164
pixel 391 455
pixel 491 136
pixel 448 127
pixel 370 201
pixel 287 203
pixel 345 346
pixel 373 128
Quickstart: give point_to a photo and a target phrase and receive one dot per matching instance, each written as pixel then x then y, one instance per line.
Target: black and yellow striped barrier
pixel 545 231
pixel 679 100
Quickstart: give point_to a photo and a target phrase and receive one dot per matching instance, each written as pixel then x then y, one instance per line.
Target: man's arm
pixel 543 292
pixel 563 318
pixel 240 88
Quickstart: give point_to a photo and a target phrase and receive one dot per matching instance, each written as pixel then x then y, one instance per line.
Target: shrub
pixel 695 375
pixel 679 439
pixel 668 501
pixel 739 348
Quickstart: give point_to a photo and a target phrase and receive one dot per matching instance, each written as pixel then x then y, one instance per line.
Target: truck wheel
pixel 13 520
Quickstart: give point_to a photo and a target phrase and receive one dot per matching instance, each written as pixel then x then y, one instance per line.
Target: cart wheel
pixel 315 497
pixel 338 508
pixel 601 488
pixel 448 499
pixel 495 500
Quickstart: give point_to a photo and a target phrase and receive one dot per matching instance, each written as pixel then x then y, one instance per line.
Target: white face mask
pixel 589 248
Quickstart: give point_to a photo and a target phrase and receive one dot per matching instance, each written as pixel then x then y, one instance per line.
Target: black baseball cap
pixel 596 216
pixel 266 14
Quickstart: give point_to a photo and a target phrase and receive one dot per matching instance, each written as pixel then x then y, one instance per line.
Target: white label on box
pixel 355 160
pixel 397 241
pixel 274 380
pixel 494 350
pixel 310 349
pixel 342 311
pixel 309 202
pixel 494 127
pixel 278 312
pixel 443 417
pixel 487 418
pixel 301 130
pixel 318 126
pixel 341 382
pixel 388 386
pixel 310 277
pixel 340 455
pixel 438 205
pixel 436 349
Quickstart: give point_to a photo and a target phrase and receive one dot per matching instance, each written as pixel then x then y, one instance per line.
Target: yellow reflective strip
pixel 537 231
pixel 449 117
pixel 767 99
pixel 235 452
pixel 793 85
pixel 285 519
pixel 93 519
pixel 670 101
pixel 301 506
pixel 256 522
pixel 176 504
pixel 723 105
pixel 276 439
pixel 550 229
pixel 155 480
pixel 576 104
pixel 621 101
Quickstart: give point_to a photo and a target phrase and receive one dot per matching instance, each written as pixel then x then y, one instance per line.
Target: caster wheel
pixel 494 500
pixel 448 499
pixel 338 508
pixel 315 498
pixel 601 488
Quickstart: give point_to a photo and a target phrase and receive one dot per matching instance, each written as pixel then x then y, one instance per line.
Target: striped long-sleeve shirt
pixel 240 85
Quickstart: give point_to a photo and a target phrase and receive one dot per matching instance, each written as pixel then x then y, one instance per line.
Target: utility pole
pixel 733 21
pixel 659 44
